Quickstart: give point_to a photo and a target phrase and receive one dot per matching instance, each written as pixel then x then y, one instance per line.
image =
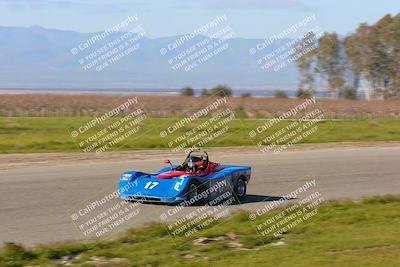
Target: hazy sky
pixel 249 18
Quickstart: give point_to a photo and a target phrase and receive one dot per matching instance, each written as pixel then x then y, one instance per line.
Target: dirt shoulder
pixel 12 161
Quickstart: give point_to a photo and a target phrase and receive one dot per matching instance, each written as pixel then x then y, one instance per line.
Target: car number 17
pixel 150 185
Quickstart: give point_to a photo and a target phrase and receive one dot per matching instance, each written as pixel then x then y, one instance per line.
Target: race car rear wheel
pixel 240 188
pixel 192 191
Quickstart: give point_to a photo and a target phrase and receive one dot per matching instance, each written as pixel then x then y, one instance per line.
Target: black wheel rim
pixel 241 188
pixel 192 191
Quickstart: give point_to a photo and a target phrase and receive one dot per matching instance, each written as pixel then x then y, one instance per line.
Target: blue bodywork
pixel 147 187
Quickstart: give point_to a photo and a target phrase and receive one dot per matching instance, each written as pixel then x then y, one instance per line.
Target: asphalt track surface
pixel 36 202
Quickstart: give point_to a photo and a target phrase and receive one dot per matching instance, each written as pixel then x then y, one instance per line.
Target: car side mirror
pixel 167 161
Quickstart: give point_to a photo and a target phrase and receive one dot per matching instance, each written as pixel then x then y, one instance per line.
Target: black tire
pixel 192 191
pixel 239 190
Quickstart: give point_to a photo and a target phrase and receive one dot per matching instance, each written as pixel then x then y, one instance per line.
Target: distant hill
pixel 36 57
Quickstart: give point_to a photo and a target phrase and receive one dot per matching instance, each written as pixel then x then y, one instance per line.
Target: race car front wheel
pixel 240 189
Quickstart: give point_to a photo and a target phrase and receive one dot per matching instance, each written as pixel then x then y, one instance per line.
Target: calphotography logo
pixel 286 47
pixel 106 214
pixel 112 129
pixel 202 45
pixel 208 124
pixel 294 126
pixel 302 207
pixel 110 46
pixel 202 217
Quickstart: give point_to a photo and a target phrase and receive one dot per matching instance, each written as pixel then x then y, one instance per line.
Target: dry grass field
pixel 42 105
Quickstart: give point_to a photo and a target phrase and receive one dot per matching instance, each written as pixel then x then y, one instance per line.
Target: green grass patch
pixel 342 233
pixel 34 134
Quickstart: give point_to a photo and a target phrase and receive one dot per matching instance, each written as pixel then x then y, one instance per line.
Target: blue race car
pixel 196 180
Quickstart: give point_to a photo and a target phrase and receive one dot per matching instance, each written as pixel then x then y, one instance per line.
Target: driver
pixel 191 165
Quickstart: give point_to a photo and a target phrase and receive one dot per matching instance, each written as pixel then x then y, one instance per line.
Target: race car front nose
pixel 126 176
